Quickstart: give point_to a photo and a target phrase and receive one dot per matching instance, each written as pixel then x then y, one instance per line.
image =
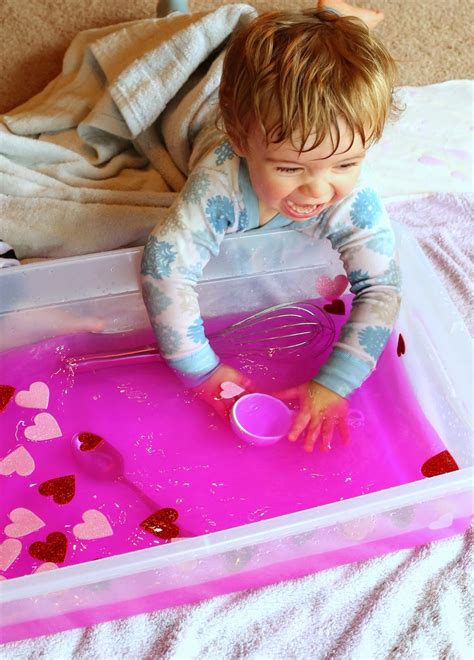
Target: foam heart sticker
pixel 52 550
pixel 439 464
pixel 62 489
pixel 359 528
pixel 6 393
pixel 230 390
pixel 161 524
pixel 95 526
pixel 331 288
pixel 402 517
pixel 401 345
pixel 446 520
pixel 9 551
pixel 37 396
pixel 336 307
pixel 45 427
pixel 23 522
pixel 47 566
pixel 19 460
pixel 89 441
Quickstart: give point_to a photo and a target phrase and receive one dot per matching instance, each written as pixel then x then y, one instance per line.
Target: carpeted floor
pixel 431 39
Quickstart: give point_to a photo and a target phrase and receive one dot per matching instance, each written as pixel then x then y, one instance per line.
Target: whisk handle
pixel 115 359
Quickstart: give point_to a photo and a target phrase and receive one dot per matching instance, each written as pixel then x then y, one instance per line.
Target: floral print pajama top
pixel 218 199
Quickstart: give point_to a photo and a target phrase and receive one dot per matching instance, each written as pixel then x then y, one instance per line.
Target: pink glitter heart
pixel 230 390
pixel 45 428
pixel 37 396
pixel 23 522
pixel 9 551
pixel 331 288
pixel 19 460
pixel 95 526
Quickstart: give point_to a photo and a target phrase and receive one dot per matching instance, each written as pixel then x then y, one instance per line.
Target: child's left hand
pixel 321 412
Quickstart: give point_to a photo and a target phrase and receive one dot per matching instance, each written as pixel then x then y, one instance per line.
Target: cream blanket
pixel 93 161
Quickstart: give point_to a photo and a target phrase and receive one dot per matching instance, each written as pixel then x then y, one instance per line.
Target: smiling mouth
pixel 307 210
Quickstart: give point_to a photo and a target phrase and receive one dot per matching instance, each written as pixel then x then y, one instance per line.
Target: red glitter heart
pixel 89 441
pixel 6 393
pixel 439 464
pixel 335 307
pixel 62 488
pixel 53 549
pixel 161 524
pixel 400 345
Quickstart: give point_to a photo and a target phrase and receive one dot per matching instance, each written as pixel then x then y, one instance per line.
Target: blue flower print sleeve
pixel 360 230
pixel 175 256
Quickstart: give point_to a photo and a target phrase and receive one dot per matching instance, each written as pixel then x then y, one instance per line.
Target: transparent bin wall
pixel 245 557
pixel 47 299
pixel 253 271
pixel 44 299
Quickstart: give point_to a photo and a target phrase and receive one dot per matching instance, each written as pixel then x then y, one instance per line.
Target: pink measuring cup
pixel 260 419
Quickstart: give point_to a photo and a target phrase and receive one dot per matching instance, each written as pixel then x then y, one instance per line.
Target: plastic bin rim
pixel 38 584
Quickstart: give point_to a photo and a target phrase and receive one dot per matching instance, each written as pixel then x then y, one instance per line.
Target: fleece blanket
pixel 93 161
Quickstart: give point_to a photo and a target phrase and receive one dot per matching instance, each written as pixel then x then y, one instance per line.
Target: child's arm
pixel 360 230
pixel 173 261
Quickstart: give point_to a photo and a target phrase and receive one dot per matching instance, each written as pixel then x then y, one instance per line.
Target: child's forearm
pixel 175 318
pixel 362 233
pixel 362 341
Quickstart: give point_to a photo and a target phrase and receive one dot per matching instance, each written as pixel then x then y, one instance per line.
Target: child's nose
pixel 316 189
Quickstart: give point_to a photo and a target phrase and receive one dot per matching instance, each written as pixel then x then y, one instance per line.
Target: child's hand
pixel 321 412
pixel 210 390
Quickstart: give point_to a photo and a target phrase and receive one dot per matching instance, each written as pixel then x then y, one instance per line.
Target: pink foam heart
pixel 95 526
pixel 331 288
pixel 45 428
pixel 9 551
pixel 446 520
pixel 19 460
pixel 37 396
pixel 23 522
pixel 358 528
pixel 230 390
pixel 47 566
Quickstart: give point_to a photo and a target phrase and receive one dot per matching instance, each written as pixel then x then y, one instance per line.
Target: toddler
pixel 303 96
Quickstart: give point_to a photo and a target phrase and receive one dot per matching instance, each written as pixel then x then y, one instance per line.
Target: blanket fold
pixel 93 161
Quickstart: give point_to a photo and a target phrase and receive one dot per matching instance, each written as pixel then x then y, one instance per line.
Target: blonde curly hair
pixel 295 75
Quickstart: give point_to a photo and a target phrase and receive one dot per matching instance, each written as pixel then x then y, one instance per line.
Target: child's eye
pixel 288 170
pixel 345 166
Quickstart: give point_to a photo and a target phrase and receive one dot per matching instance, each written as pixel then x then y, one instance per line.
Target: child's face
pixel 302 185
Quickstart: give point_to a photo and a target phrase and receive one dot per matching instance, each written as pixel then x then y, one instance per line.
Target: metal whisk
pixel 275 330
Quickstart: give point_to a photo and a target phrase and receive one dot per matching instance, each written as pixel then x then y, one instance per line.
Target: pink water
pixel 178 452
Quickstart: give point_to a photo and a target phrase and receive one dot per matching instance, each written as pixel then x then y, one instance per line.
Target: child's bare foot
pixel 371 17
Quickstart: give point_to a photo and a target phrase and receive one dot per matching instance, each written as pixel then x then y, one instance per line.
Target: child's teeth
pixel 302 209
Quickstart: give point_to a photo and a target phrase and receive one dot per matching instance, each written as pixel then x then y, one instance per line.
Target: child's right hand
pixel 210 390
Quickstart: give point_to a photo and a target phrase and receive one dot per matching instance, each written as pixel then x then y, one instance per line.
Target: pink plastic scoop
pixel 105 463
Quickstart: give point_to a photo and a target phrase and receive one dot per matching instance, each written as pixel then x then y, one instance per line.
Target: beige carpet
pixel 432 39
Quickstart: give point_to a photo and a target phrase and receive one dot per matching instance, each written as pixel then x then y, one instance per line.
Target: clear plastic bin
pixel 43 300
